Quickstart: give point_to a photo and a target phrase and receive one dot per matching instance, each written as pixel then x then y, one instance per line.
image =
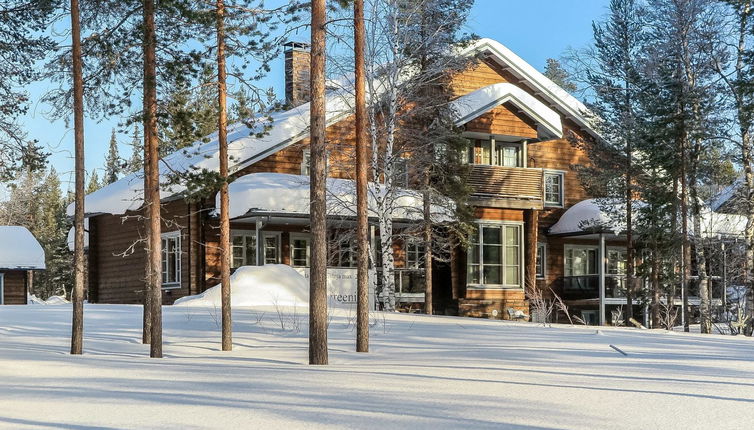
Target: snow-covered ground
pixel 423 372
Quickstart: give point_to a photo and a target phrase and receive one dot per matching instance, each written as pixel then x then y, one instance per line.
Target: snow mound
pixel 53 300
pixel 268 285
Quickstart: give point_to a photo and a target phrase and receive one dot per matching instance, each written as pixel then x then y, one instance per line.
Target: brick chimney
pixel 297 58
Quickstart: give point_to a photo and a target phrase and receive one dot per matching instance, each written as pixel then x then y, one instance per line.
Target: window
pixel 414 254
pixel 305 162
pixel 580 261
pixel 243 249
pixel 495 255
pixel 300 249
pixel 616 261
pixel 342 251
pixel 492 152
pixel 271 248
pixel 554 188
pixel 541 260
pixel 171 259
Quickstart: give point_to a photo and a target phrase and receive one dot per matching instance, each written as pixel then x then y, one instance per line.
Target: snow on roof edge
pixel 20 250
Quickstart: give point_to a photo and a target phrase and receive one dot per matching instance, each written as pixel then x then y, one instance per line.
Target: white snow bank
pixel 285 193
pixel 19 249
pixel 53 300
pixel 478 102
pixel 268 285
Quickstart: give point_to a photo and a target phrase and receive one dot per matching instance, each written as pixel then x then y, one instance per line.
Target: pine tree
pixel 22 42
pixel 135 163
pixel 94 183
pixel 555 71
pixel 112 162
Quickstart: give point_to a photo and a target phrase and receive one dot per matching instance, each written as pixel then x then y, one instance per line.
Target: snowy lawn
pixel 423 372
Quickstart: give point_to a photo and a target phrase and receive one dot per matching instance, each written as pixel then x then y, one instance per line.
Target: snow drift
pixel 268 285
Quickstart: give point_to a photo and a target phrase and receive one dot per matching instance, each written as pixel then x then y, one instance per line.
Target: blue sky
pixel 534 29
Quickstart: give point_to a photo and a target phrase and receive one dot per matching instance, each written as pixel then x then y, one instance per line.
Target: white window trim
pixel 568 246
pixel 242 232
pixel 301 236
pixel 2 288
pixel 179 269
pixel 279 247
pixel 560 173
pixel 469 158
pixel 520 285
pixel 542 275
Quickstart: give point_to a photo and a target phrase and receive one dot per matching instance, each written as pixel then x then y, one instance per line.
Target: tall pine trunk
pixel 152 194
pixel 318 190
pixel 77 327
pixel 146 334
pixel 222 138
pixel 428 297
pixel 362 229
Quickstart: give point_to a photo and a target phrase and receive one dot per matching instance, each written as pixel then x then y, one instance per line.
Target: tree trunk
pixel 77 296
pixel 318 211
pixel 428 297
pixel 655 285
pixel 630 272
pixel 747 160
pixel 151 151
pixel 531 226
pixel 362 229
pixel 146 334
pixel 222 139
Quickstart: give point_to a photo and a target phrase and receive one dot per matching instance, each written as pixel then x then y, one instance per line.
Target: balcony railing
pixel 588 287
pixel 507 187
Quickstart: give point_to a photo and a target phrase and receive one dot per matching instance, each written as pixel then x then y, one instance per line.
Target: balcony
pixel 506 187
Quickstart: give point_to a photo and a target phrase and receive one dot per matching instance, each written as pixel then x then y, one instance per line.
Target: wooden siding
pixel 504 120
pixel 14 287
pixel 114 244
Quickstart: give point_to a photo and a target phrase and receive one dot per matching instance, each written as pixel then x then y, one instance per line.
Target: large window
pixel 494 152
pixel 581 261
pixel 541 260
pixel 616 261
pixel 300 249
pixel 342 251
pixel 244 248
pixel 495 255
pixel 554 188
pixel 305 162
pixel 414 249
pixel 171 259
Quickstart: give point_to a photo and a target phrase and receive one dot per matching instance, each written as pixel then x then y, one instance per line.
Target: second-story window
pixel 554 186
pixel 493 152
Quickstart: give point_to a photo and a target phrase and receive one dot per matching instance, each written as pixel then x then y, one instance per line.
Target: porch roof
pixel 285 194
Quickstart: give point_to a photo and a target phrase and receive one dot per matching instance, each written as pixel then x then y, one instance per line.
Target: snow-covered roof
pixel 476 103
pixel 19 249
pixel 282 129
pixel 592 215
pixel 542 86
pixel 280 193
pixel 726 194
pixel 585 216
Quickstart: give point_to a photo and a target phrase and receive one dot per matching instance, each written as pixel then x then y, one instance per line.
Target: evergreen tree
pixel 94 183
pixel 135 163
pixel 556 73
pixel 112 162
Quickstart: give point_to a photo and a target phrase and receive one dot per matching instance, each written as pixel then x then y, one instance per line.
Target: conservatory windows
pixel 300 250
pixel 494 257
pixel 171 259
pixel 243 248
pixel 414 254
pixel 581 261
pixel 554 186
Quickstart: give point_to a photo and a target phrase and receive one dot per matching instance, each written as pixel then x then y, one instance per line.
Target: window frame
pixel 306 161
pixel 167 236
pixel 243 232
pixel 541 260
pixel 419 251
pixel 300 236
pixel 496 157
pixel 587 248
pixel 502 225
pixel 561 201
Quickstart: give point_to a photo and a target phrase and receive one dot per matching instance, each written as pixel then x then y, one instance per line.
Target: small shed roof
pixel 19 249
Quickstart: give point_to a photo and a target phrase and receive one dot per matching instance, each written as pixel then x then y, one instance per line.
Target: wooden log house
pixel 20 256
pixel 519 126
